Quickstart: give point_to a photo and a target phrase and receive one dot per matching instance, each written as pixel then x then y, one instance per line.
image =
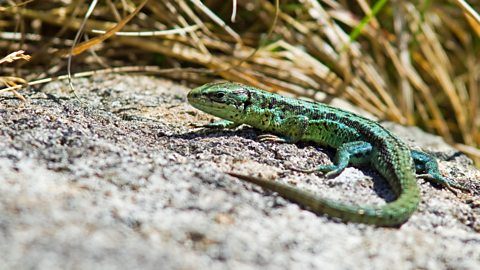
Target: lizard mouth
pixel 205 104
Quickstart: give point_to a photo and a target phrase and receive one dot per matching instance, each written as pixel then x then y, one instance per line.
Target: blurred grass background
pixel 412 62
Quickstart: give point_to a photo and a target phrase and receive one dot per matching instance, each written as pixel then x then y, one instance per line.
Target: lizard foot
pixel 328 170
pixel 444 182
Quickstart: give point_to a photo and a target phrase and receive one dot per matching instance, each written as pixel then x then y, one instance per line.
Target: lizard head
pixel 225 100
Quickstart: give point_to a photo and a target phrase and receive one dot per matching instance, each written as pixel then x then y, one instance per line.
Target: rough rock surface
pixel 120 179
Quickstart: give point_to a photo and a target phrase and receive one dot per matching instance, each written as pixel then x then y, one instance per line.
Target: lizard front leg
pixel 356 153
pixel 220 124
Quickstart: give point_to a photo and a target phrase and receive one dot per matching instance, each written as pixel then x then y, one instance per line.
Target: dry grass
pixel 413 63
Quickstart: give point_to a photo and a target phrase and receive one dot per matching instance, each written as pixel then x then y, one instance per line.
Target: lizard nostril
pixel 192 95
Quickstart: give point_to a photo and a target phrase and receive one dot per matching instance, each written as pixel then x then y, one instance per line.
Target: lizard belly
pixel 330 133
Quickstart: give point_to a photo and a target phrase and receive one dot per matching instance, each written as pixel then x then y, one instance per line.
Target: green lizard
pixel 358 140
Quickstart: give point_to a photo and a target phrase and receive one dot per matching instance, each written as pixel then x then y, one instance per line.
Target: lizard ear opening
pixel 241 92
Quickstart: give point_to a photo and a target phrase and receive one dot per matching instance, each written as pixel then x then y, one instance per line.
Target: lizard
pixel 357 140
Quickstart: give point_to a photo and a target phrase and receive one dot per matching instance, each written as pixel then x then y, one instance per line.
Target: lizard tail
pixel 391 214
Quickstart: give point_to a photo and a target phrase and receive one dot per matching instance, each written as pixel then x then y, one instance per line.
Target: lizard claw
pixel 195 125
pixel 327 170
pixel 270 138
pixel 304 170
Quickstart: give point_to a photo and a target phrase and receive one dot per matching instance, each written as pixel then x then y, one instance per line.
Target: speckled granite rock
pixel 122 180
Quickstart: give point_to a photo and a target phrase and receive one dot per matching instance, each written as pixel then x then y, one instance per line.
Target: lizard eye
pixel 219 95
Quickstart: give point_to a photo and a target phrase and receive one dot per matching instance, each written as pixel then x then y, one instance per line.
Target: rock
pixel 120 179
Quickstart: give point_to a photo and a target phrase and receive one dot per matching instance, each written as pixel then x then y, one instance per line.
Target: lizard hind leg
pixel 356 153
pixel 427 168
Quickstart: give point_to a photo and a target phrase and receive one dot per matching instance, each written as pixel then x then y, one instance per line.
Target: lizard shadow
pixel 380 185
pixel 244 132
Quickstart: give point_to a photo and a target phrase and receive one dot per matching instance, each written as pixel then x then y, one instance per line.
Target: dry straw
pixel 408 63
